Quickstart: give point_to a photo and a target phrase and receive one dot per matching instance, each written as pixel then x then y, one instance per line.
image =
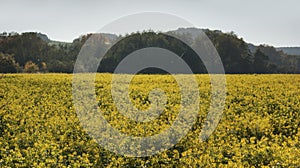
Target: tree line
pixel 30 52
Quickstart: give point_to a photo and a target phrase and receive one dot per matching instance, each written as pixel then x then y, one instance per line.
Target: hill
pixel 290 50
pixel 46 39
pixel 237 55
pixel 278 60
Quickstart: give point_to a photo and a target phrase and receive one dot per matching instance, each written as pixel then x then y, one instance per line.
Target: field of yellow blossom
pixel 260 125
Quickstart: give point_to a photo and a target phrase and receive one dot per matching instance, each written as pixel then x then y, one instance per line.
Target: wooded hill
pixel 35 52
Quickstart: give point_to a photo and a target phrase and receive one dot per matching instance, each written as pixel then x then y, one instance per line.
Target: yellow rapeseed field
pixel 259 126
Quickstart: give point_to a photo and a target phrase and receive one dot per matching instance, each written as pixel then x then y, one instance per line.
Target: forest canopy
pixel 44 55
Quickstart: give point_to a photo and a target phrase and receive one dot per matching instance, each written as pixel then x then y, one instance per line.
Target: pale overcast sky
pixel 258 21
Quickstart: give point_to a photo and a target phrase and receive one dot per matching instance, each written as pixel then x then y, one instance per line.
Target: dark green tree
pixel 8 64
pixel 260 62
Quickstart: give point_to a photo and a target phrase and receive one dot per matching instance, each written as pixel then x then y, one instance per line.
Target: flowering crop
pixel 259 127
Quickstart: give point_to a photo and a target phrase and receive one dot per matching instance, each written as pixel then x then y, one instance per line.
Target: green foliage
pixel 259 126
pixel 8 64
pixel 30 47
pixel 260 62
pixel 234 51
pixel 142 40
pixel 278 61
